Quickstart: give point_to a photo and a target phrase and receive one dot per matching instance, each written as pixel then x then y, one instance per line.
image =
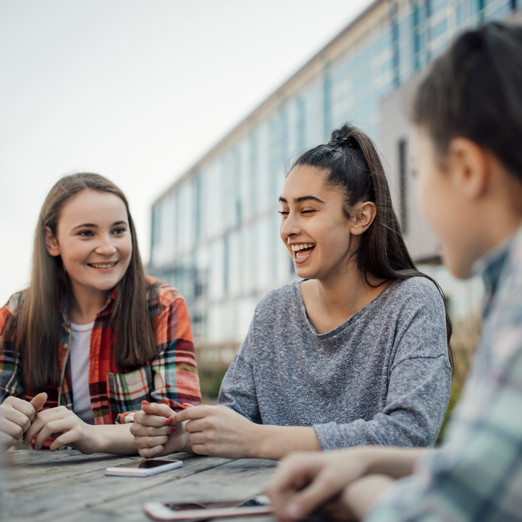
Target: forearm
pixel 360 496
pixel 274 442
pixel 393 462
pixel 113 438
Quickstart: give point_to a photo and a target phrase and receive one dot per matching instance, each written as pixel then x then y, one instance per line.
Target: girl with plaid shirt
pixel 92 337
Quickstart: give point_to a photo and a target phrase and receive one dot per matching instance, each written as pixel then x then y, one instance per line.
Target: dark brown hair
pixel 353 166
pixel 37 322
pixel 474 90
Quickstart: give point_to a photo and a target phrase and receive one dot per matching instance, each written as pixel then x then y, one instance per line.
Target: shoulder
pixel 10 309
pixel 162 294
pixel 282 297
pixel 416 291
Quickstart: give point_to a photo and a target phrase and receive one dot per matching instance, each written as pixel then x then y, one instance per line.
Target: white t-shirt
pixel 79 366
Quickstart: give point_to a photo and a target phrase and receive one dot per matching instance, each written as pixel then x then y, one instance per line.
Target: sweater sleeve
pixel 238 389
pixel 418 390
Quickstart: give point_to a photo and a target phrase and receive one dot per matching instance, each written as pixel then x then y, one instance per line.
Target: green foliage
pixel 210 381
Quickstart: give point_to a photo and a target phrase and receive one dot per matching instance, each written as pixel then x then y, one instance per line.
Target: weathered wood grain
pixel 66 486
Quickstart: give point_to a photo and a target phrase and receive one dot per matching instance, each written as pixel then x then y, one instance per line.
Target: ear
pixel 467 163
pixel 51 243
pixel 363 215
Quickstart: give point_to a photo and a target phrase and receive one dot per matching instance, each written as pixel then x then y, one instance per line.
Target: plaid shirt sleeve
pixel 477 475
pixel 174 374
pixel 11 383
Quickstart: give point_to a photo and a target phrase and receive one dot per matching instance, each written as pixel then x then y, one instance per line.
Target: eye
pixel 85 233
pixel 119 231
pixel 283 212
pixel 307 211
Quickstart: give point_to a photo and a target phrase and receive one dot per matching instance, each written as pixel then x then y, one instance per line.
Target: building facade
pixel 215 231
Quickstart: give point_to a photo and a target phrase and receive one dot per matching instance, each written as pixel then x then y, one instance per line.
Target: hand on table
pixel 65 427
pixel 305 482
pixel 156 433
pixel 219 431
pixel 17 416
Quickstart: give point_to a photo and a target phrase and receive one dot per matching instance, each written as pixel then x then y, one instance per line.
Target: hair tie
pixel 342 141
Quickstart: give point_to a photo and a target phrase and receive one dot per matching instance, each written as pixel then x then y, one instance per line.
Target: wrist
pixel 259 446
pixel 96 441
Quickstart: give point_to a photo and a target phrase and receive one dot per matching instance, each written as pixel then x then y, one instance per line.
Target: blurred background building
pixel 215 231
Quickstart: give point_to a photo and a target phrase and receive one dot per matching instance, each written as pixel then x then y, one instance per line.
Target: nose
pixel 289 226
pixel 105 246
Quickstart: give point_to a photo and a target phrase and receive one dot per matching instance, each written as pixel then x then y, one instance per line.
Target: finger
pixel 41 419
pixel 198 438
pixel 196 412
pixel 150 452
pixel 16 404
pixel 139 430
pixel 67 438
pixel 324 488
pixel 6 441
pixel 38 402
pixel 292 475
pixel 194 426
pixel 162 410
pixel 12 430
pixel 200 449
pixel 18 418
pixel 49 429
pixel 150 442
pixel 146 419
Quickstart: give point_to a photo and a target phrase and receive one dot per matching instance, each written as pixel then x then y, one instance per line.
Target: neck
pixel 85 303
pixel 347 294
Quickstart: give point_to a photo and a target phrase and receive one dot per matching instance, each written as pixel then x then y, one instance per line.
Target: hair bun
pixel 343 141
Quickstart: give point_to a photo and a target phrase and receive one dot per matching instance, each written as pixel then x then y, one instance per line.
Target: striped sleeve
pixel 11 383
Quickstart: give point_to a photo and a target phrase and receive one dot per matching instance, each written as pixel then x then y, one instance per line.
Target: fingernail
pixel 168 421
pixel 145 402
pixel 173 429
pixel 293 510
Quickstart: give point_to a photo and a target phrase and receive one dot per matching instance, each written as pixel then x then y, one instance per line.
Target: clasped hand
pixel 20 418
pixel 205 430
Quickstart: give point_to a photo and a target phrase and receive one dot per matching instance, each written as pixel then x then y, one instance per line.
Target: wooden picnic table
pixel 69 486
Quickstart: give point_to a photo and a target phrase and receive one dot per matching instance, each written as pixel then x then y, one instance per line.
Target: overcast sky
pixel 134 90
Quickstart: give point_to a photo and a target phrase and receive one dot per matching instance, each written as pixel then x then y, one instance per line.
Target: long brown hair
pixel 37 323
pixel 353 166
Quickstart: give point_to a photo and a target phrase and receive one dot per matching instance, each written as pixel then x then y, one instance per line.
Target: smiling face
pixel 93 240
pixel 314 227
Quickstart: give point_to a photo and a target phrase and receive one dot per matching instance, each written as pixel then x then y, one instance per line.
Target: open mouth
pixel 103 266
pixel 302 251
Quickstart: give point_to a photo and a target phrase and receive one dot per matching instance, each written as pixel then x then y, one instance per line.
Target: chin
pixel 458 268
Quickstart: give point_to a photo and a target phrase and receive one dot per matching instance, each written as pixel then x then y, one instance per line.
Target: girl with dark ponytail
pixel 355 351
pixel 467 114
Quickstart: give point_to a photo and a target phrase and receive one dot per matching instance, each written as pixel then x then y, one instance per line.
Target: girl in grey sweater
pixel 353 353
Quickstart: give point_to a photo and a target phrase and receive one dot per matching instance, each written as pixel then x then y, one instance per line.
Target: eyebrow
pixel 301 199
pixel 92 225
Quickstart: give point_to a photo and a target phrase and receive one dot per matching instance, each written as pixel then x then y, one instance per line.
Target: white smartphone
pixel 193 512
pixel 144 468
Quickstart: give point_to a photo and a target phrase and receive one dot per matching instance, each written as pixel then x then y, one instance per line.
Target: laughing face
pixel 314 227
pixel 93 240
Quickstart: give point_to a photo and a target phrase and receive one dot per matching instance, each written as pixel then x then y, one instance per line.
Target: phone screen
pixel 260 500
pixel 145 464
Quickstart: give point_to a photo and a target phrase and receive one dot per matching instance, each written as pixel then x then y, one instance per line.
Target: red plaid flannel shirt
pixel 171 377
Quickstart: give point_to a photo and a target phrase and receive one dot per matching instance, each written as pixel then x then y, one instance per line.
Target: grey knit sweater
pixel 382 377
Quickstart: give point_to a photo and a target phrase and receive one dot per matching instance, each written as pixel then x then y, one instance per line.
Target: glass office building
pixel 215 231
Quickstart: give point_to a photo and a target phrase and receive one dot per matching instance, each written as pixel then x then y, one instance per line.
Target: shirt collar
pixel 491 265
